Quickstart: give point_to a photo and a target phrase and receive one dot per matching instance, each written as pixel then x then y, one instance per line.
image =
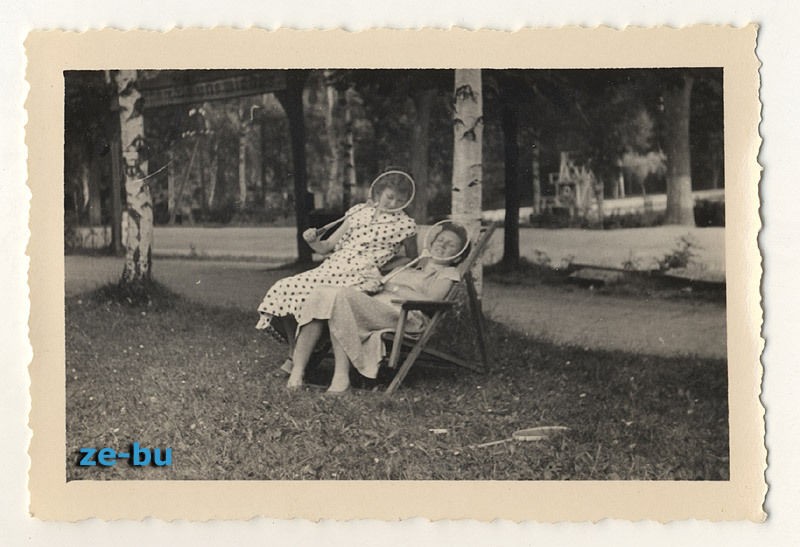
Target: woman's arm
pixel 410 244
pixel 438 289
pixel 410 252
pixel 327 245
pixel 435 291
pixel 337 235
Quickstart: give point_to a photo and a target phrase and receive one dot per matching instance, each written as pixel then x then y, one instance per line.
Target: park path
pixel 641 246
pixel 572 317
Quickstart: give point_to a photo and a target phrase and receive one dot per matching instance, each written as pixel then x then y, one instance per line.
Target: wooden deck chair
pixel 410 348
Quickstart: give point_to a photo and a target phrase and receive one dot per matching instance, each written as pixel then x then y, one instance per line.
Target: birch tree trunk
pixel 349 151
pixel 333 193
pixel 139 202
pixel 677 106
pixel 467 155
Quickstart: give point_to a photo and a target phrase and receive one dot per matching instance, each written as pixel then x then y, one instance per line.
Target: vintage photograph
pixel 321 275
pixel 382 274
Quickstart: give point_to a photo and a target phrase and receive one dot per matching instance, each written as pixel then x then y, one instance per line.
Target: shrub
pixel 681 256
pixel 558 217
pixel 709 213
pixel 72 237
pixel 638 219
pixel 253 216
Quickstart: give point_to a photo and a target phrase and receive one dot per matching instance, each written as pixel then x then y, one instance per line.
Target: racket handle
pixel 391 274
pixel 325 229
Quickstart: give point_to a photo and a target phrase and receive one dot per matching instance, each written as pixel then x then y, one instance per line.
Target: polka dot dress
pixel 373 239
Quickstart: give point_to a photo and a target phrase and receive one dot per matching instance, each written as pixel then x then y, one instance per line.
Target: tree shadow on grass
pixel 201 381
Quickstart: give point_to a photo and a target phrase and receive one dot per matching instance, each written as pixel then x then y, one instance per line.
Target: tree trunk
pixel 242 170
pixel 420 145
pixel 715 176
pixel 600 197
pixel 511 149
pixel 677 107
pixel 171 179
pixel 263 164
pixel 116 190
pixel 139 203
pixel 184 185
pixel 292 101
pixel 467 155
pixel 536 174
pixel 257 165
pixel 333 192
pixel 212 173
pixel 619 185
pixel 203 176
pixel 95 176
pixel 348 162
pixel 82 197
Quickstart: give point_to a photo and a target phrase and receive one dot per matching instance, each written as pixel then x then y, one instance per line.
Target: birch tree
pixel 333 193
pixel 348 149
pixel 341 98
pixel 138 200
pixel 468 154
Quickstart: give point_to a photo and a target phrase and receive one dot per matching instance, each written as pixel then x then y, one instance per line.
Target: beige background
pixel 739 498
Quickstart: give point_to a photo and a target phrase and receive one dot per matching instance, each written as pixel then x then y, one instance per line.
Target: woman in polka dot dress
pixel 368 238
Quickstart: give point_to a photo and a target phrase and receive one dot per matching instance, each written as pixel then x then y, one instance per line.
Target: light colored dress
pixel 374 237
pixel 357 320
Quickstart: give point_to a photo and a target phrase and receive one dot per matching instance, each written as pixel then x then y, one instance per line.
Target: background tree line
pixel 229 161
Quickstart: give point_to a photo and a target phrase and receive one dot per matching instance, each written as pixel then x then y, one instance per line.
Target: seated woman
pixel 356 320
pixel 369 237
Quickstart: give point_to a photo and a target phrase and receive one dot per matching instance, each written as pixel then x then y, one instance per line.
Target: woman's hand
pixel 372 286
pixel 310 235
pixel 318 246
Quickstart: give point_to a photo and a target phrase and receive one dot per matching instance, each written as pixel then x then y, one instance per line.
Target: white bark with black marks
pixel 139 202
pixel 468 155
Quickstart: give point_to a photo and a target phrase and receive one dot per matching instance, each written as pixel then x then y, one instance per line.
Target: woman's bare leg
pixel 289 325
pixel 307 339
pixel 341 372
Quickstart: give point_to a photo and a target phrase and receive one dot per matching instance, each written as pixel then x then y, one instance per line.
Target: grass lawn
pixel 631 284
pixel 202 381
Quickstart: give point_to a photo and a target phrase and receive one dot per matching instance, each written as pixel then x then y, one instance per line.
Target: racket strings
pixel 376 188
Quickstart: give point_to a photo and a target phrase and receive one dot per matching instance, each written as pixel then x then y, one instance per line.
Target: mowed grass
pixel 202 381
